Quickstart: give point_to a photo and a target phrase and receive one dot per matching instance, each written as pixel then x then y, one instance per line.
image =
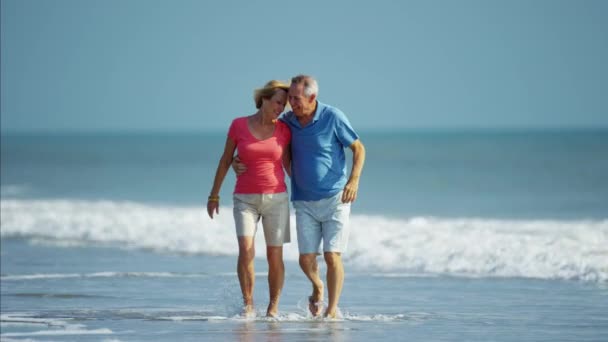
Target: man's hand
pixel 238 167
pixel 349 194
pixel 352 186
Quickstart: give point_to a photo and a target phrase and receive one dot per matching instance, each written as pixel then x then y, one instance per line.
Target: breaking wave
pixel 473 247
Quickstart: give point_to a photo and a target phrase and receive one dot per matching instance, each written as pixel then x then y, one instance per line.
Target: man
pixel 321 192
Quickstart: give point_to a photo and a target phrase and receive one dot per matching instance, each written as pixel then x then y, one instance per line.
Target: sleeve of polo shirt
pixel 344 131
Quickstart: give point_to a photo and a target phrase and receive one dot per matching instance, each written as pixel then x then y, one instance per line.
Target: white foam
pixel 481 247
pixel 102 331
pixel 26 318
pixel 192 318
pixel 62 327
pixel 179 229
pixel 386 318
pixel 473 247
pixel 58 327
pixel 101 275
pixel 40 276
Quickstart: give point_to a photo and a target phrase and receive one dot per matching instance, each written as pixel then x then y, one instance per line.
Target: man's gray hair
pixel 310 84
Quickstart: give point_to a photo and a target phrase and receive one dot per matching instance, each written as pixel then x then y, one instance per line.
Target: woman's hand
pixel 213 206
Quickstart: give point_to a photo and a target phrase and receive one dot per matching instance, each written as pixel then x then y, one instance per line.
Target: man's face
pixel 300 104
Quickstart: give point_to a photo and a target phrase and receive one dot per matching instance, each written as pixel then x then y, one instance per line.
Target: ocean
pixel 456 235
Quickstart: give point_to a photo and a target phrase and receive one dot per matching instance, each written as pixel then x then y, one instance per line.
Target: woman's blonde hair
pixel 268 91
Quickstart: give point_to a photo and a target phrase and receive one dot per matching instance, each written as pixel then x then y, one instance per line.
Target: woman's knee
pixel 246 254
pixel 246 247
pixel 274 255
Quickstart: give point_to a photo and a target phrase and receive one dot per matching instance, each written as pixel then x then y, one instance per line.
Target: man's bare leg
pixel 276 278
pixel 310 267
pixel 335 281
pixel 246 272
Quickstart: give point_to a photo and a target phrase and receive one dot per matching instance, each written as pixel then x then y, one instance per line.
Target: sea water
pixel 455 235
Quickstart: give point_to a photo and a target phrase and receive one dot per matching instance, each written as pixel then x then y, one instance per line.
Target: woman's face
pixel 276 104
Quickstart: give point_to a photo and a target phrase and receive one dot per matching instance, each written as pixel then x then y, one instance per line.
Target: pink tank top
pixel 263 158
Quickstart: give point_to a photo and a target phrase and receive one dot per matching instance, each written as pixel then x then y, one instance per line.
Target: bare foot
pixel 331 315
pixel 272 310
pixel 248 311
pixel 314 306
pixel 315 301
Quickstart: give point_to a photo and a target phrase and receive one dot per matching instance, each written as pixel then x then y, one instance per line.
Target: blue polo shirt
pixel 318 164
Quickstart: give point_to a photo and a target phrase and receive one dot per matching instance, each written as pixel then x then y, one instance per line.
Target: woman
pixel 260 192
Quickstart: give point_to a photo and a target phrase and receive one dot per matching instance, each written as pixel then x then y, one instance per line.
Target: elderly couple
pixel 308 142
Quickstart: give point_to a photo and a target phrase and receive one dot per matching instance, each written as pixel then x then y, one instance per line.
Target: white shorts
pixel 325 219
pixel 273 209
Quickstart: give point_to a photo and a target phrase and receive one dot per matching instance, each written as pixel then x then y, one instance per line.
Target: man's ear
pixel 312 98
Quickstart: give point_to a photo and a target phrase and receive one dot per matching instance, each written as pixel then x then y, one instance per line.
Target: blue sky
pixel 150 65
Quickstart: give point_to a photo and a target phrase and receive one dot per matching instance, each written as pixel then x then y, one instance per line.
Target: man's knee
pixel 332 259
pixel 308 260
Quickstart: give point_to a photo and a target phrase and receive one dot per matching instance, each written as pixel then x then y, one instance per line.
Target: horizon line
pixel 420 129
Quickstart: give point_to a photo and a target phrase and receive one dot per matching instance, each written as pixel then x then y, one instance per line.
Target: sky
pixel 178 65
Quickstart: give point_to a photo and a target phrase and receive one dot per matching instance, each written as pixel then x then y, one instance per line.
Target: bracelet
pixel 213 198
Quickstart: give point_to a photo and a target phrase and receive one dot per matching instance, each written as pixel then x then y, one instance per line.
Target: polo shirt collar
pixel 291 117
pixel 318 111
